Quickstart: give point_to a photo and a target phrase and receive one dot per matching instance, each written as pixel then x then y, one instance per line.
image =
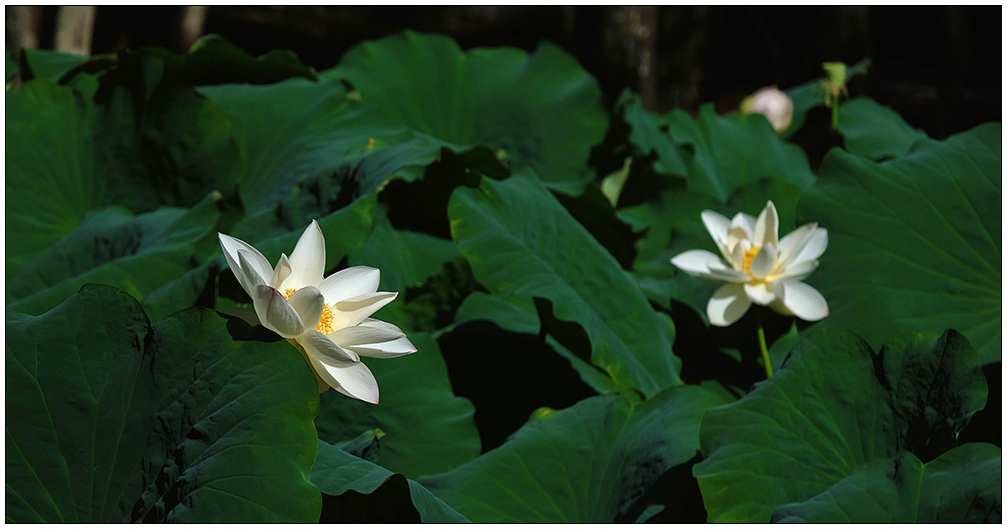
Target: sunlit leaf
pixel 542 110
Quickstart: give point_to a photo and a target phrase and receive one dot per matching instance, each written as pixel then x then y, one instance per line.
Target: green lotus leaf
pixel 875 131
pixel 914 242
pixel 962 485
pixel 337 472
pixel 521 242
pixel 428 429
pixel 137 254
pixel 49 64
pixel 110 420
pixel 833 417
pixel 541 110
pixel 316 139
pixel 585 464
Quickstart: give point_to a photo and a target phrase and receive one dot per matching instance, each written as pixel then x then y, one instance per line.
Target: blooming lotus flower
pixel 326 318
pixel 773 103
pixel 759 267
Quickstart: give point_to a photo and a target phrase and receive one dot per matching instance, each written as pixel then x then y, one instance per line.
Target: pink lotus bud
pixel 773 103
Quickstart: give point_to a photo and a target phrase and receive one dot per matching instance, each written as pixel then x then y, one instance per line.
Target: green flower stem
pixel 765 352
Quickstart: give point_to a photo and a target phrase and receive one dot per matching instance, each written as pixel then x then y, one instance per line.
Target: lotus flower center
pixel 327 320
pixel 746 260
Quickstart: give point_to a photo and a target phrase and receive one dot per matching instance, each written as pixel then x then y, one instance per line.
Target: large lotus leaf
pixel 315 134
pixel 521 242
pixel 68 156
pixel 520 315
pixel 406 258
pixel 648 132
pixel 914 242
pixel 586 464
pixel 734 150
pixel 48 64
pixel 51 176
pixel 875 131
pixel 214 60
pixel 834 408
pixel 728 151
pixel 136 254
pixel 428 429
pixel 109 420
pixel 337 472
pixel 158 141
pixel 543 110
pixel 962 486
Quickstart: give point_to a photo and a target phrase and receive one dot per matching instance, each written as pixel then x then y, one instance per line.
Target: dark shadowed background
pixel 939 67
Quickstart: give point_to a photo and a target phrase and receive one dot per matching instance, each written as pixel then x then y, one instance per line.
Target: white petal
pixel 706 264
pixel 353 311
pixel 252 275
pixel 309 304
pixel 350 282
pixel 793 242
pixel 760 293
pixel 717 225
pixel 727 305
pixel 307 261
pixel 695 262
pixel 764 262
pixel 766 227
pixel 798 271
pixel 275 312
pixel 257 261
pixel 745 222
pixel 373 338
pixel 738 255
pixel 281 272
pixel 322 348
pixel 803 300
pixel 355 381
pixel 814 247
pixel 725 274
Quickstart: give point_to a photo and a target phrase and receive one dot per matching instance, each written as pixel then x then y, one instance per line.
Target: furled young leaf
pixel 962 486
pixel 914 242
pixel 427 428
pixel 136 254
pixel 875 131
pixel 521 242
pixel 109 420
pixel 585 464
pixel 812 94
pixel 543 110
pixel 832 418
pixel 337 472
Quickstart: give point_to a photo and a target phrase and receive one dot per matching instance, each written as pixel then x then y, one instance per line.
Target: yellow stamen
pixel 326 322
pixel 746 260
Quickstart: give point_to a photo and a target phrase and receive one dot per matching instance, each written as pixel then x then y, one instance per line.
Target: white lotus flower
pixel 772 103
pixel 326 318
pixel 759 267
